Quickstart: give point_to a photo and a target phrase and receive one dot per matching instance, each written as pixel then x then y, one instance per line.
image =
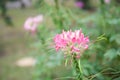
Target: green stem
pixel 78 69
pixel 59 14
pixel 56 4
pixel 80 66
pixel 103 18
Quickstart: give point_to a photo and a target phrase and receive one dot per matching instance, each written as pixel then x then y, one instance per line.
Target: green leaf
pixel 101 37
pixel 118 78
pixel 115 38
pixel 110 54
pixel 118 38
pixel 112 38
pixel 118 52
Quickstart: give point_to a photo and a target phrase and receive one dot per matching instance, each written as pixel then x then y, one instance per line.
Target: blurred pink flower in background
pixel 32 23
pixel 79 4
pixel 107 1
pixel 71 42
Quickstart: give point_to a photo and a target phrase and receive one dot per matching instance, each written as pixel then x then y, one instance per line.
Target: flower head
pixel 79 4
pixel 71 42
pixel 32 23
pixel 107 1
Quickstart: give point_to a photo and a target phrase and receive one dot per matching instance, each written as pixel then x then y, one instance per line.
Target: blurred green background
pixel 98 19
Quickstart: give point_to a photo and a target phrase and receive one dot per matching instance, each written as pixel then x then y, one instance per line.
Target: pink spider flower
pixel 71 42
pixel 32 23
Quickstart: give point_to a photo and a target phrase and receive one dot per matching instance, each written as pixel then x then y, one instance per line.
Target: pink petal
pixel 38 18
pixel 75 49
pixel 27 24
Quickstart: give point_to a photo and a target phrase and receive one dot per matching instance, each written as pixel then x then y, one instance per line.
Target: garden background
pixel 32 56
